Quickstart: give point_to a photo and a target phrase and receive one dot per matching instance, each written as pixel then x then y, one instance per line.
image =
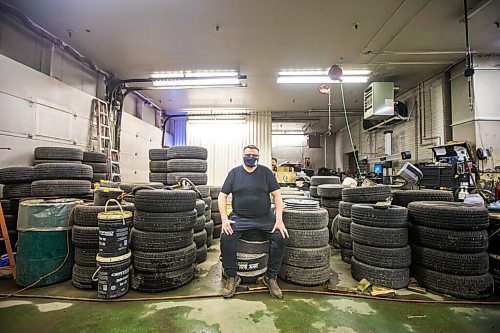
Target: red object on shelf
pixel 497 191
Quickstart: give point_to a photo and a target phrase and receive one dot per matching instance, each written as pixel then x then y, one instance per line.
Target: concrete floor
pixel 256 312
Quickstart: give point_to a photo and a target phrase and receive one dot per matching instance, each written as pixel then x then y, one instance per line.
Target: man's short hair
pixel 251 147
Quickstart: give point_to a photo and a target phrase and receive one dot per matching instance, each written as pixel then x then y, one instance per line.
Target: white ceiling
pixel 133 38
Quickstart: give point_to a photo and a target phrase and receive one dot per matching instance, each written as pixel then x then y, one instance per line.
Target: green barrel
pixel 44 241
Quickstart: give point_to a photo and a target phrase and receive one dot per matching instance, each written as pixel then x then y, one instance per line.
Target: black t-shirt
pixel 250 190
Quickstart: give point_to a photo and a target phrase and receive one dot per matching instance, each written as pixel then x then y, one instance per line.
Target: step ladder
pixel 5 238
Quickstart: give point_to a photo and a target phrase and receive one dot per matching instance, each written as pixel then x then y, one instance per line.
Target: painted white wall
pixel 294 148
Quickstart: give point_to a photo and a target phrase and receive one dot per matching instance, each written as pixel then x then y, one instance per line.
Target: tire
pixel 331 191
pixel 214 207
pixel 200 238
pixel 186 165
pixel 10 222
pixel 159 282
pixel 210 240
pixel 99 176
pixel 345 208
pixel 201 254
pixel 313 191
pixel 9 207
pixel 308 238
pixel 17 191
pixel 379 237
pixel 160 241
pixel 345 240
pixel 58 153
pixel 36 162
pixel 307 258
pixel 158 154
pixel 85 237
pixel 332 212
pixel 448 215
pixel 191 152
pixel 369 215
pixel 449 240
pixel 165 201
pixel 158 177
pixel 196 178
pixel 158 166
pixel 450 262
pixel 164 222
pixel 208 203
pixel 86 257
pixel 82 277
pixel 94 157
pixel 200 207
pixel 405 197
pixel 209 227
pixel 214 192
pixel 399 257
pixel 252 246
pixel 346 255
pixel 305 220
pixel 330 203
pixel 345 224
pixel 60 188
pixel 385 277
pixel 208 215
pixel 204 191
pixel 86 215
pixel 366 194
pixel 305 276
pixel 216 218
pixel 319 180
pixel 98 167
pixel 129 187
pixel 200 223
pixel 16 175
pixel 217 231
pixel 469 287
pixel 53 171
pixel 156 262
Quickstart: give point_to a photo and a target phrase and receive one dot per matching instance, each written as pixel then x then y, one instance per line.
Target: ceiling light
pixel 322 72
pixel 199 79
pixel 321 79
pixel 192 74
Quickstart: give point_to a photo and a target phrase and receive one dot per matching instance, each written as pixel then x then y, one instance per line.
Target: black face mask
pixel 250 161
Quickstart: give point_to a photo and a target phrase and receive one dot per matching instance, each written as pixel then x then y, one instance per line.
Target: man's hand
pixel 226 227
pixel 279 225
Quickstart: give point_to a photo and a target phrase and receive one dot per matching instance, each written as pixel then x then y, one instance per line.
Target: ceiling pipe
pixel 474 10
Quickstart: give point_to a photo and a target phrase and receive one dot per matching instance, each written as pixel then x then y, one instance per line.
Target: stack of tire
pixel 380 245
pixel 448 243
pixel 209 224
pixel 350 196
pixel 291 193
pixel 62 180
pixel 98 163
pixel 405 197
pixel 162 239
pixel 17 185
pixel 170 165
pixel 307 255
pixel 494 250
pixel 85 237
pixel 320 180
pixel 57 155
pixel 330 194
pixel 215 214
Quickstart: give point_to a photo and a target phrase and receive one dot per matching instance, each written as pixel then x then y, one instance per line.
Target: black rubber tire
pixel 197 178
pixel 495 271
pixel 156 262
pixel 345 224
pixel 395 278
pixel 366 194
pixel 379 237
pixel 405 197
pixel 200 207
pixel 86 257
pixel 449 240
pixel 94 157
pixel 208 214
pixel 450 262
pixel 17 191
pixel 332 212
pixel 214 192
pixel 98 167
pixel 399 257
pixel 330 203
pixel 209 227
pixel 214 207
pixel 210 240
pixel 58 153
pixel 99 176
pixel 10 222
pixel 158 166
pixel 200 223
pixel 307 258
pixel 52 171
pixel 164 222
pixel 369 215
pixel 200 238
pixel 183 165
pixel 216 218
pixel 82 277
pixel 191 152
pixel 159 154
pixel 86 215
pixel 305 220
pixel 160 241
pixel 129 187
pixel 345 208
pixel 330 191
pixel 204 190
pixel 346 255
pixel 85 237
pixel 253 246
pixel 468 287
pixel 160 282
pixel 9 206
pixel 319 180
pixel 448 215
pixel 217 231
pixel 345 240
pixel 16 175
pixel 305 276
pixel 158 177
pixel 313 191
pixel 208 203
pixel 165 201
pixel 36 162
pixel 201 254
pixel 60 188
pixel 308 238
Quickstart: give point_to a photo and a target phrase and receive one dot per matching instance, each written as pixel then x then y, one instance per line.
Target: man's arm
pixel 278 203
pixel 226 223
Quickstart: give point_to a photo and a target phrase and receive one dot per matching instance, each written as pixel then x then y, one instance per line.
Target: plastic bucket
pixel 103 194
pixel 114 229
pixel 112 275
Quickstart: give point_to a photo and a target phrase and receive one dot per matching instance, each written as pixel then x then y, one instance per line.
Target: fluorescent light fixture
pixel 320 72
pixel 193 74
pixel 197 79
pixel 321 79
pixel 181 82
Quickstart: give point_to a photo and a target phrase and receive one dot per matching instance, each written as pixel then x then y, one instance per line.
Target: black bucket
pixel 114 229
pixel 103 194
pixel 112 275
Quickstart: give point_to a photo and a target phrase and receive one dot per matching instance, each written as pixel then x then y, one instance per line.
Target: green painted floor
pixel 256 312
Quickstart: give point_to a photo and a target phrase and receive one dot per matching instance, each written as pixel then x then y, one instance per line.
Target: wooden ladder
pixel 5 238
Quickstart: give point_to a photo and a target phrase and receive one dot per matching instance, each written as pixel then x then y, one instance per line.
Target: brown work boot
pixel 230 288
pixel 273 287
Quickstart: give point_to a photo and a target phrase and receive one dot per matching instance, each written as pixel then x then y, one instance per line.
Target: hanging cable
pixel 349 131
